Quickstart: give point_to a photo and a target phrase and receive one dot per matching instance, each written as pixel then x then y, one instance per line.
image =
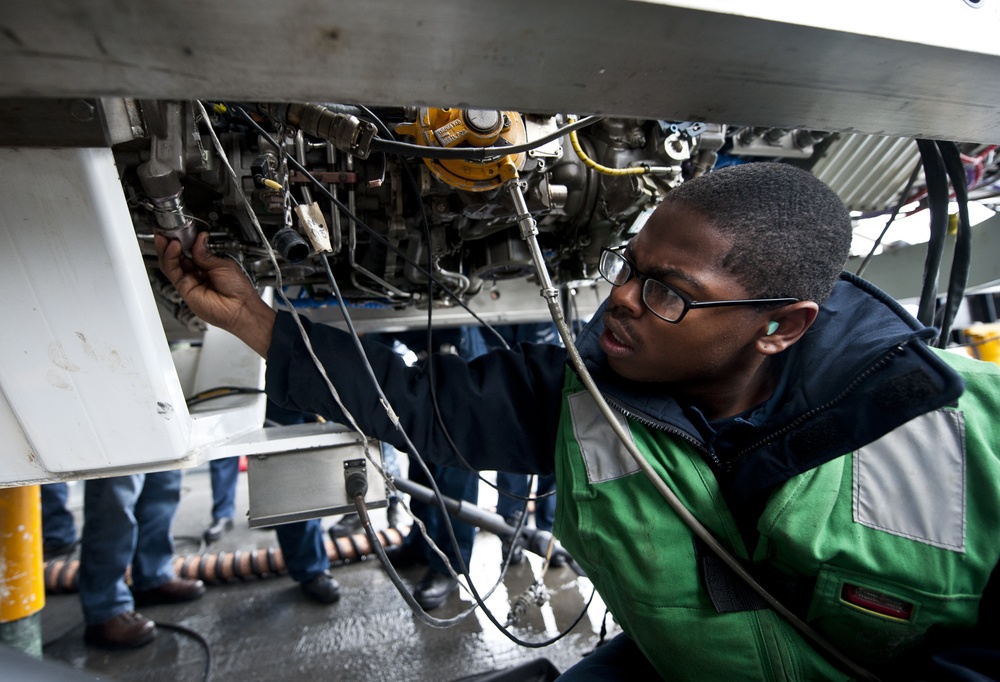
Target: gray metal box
pixel 299 474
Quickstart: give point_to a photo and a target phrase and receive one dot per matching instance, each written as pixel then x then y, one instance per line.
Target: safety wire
pixel 529 231
pixel 418 611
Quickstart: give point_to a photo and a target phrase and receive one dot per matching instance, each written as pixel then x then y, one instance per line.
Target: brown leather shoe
pixel 171 592
pixel 128 630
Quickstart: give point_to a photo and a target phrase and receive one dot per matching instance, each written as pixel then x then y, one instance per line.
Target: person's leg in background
pixel 107 544
pixel 545 503
pixel 511 506
pixel 308 563
pixel 225 473
pixel 127 521
pixel 437 583
pixel 301 542
pixel 58 525
pixel 153 577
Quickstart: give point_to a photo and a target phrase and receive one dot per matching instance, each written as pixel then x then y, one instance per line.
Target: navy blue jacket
pixel 860 371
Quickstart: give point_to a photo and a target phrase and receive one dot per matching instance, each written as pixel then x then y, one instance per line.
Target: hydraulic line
pixel 61 575
pixel 475 153
pixel 529 232
pixel 535 540
pixel 937 196
pixel 961 261
pixel 593 165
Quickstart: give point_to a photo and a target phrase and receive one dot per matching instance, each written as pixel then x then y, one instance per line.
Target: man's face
pixel 681 248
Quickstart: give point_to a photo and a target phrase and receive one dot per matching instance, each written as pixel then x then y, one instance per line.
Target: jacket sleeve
pixel 501 409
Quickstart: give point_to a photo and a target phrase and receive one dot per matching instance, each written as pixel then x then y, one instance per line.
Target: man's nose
pixel 628 297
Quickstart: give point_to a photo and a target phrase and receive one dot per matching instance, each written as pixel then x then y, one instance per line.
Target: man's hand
pixel 217 291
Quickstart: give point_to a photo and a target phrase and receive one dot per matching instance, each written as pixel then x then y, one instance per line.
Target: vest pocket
pixel 878 621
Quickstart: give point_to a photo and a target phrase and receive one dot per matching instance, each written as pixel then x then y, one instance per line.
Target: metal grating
pixel 868 171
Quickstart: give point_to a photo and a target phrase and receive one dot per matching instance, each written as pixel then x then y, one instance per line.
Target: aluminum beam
pixel 911 68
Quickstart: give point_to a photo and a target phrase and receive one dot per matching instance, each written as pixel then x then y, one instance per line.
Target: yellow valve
pixel 22 580
pixel 469 128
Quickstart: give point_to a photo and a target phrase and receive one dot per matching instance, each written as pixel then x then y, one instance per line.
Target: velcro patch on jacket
pixel 911 482
pixel 604 454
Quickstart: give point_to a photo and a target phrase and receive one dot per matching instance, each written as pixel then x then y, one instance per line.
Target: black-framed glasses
pixel 661 299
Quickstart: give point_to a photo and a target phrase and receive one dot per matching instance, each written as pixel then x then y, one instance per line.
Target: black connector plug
pixel 355 478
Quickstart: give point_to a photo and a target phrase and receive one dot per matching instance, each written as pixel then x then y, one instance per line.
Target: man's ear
pixel 784 326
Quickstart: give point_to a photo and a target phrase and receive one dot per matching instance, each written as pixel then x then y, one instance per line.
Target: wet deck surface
pixel 266 629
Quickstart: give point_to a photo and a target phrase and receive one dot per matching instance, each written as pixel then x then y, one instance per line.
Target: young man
pixel 797 413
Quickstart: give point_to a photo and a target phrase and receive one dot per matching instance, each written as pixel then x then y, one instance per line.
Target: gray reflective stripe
pixel 911 482
pixel 603 452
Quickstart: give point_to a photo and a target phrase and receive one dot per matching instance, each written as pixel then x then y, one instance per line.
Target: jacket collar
pixel 861 370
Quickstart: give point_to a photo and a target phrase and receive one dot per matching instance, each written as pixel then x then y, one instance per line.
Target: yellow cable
pixel 590 163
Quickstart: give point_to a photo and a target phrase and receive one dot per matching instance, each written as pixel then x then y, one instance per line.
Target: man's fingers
pixel 203 255
pixel 169 253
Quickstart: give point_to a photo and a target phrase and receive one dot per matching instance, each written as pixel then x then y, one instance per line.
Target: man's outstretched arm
pixel 217 291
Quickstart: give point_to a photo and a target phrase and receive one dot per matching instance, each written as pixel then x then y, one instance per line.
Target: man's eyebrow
pixel 666 274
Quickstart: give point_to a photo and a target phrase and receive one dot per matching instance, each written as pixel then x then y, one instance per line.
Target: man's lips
pixel 614 341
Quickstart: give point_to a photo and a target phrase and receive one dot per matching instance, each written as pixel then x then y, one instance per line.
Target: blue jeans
pixel 618 660
pixel 302 546
pixel 58 526
pixel 545 507
pixel 457 484
pixel 225 473
pixel 126 520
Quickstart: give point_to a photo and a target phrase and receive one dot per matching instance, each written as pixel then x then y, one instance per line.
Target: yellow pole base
pixel 22 583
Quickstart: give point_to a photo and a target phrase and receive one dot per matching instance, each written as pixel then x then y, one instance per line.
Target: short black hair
pixel 791 233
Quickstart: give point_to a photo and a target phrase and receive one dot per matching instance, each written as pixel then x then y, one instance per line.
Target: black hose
pixel 937 195
pixel 962 257
pixel 475 153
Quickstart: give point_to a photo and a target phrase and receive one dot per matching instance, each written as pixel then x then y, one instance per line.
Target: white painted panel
pixel 84 363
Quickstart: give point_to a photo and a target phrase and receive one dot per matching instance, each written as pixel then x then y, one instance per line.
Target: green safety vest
pixel 898 536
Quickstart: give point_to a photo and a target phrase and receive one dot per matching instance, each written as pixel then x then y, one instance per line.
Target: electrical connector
pixel 355 478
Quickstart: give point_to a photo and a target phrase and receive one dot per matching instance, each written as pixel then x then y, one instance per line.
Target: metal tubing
pixel 534 540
